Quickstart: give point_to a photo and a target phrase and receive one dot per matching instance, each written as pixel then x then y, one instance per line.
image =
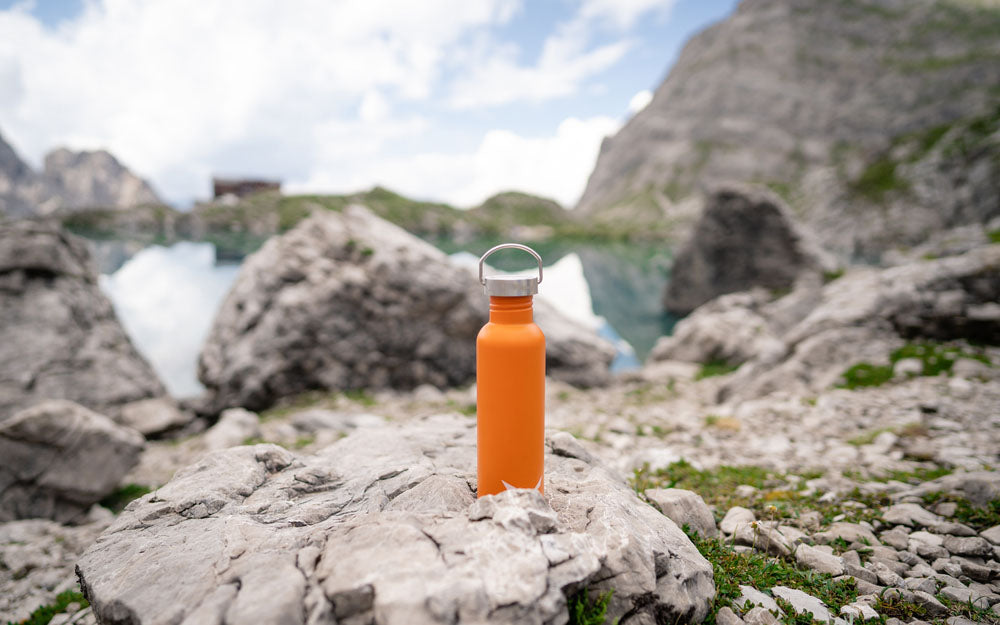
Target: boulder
pixel 383 526
pixel 347 300
pixel 154 416
pixel 684 507
pixel 728 329
pixel 59 458
pixel 744 238
pixel 60 338
pixel 819 332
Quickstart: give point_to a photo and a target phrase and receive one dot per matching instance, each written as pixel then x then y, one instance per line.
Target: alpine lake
pixel 167 296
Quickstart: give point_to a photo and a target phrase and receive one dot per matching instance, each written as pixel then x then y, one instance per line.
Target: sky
pixel 448 100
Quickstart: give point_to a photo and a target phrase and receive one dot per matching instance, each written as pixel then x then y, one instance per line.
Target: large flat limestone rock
pixel 384 527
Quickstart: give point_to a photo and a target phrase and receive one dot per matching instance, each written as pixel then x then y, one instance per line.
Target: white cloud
pixel 640 101
pixel 568 57
pixel 168 85
pixel 623 13
pixel 373 107
pixel 327 96
pixel 553 166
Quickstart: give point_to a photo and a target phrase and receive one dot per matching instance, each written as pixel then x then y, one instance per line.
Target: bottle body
pixel 510 398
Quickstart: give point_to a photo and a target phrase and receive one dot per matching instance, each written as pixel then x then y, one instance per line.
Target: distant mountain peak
pixel 803 96
pixel 70 180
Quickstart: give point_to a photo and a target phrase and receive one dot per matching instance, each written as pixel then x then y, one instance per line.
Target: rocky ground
pixel 893 486
pixel 831 450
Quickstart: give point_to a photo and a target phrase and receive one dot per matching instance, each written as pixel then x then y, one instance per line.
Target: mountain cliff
pixel 876 119
pixel 70 181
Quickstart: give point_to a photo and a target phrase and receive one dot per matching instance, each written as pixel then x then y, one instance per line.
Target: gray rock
pixel 886 576
pixel 947 580
pixel 955 529
pixel 910 514
pixel 974 570
pixel 925 538
pixel 762 538
pixel 858 611
pixel 726 616
pixel 804 603
pixel 384 525
pixel 992 534
pixel 908 368
pixel 235 427
pixel 59 459
pixel 860 573
pixel 851 557
pixel 60 338
pixel 760 616
pixel 946 508
pixel 965 595
pixel 884 553
pixel 744 238
pixel 946 566
pixel 930 603
pixel 850 532
pixel 921 583
pixel 818 560
pixel 154 416
pixel 727 329
pixel 959 620
pixel 684 507
pixel 868 588
pixel 750 596
pixel 967 546
pixel 347 300
pixel 897 567
pixel 735 517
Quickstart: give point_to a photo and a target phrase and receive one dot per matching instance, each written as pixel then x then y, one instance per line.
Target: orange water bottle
pixel 510 384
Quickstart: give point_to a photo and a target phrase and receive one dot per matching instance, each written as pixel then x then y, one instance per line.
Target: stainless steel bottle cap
pixel 510 286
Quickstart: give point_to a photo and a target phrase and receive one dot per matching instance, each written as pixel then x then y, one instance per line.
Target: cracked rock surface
pixel 383 526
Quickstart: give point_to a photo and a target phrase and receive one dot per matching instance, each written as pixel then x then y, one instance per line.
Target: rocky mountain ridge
pixel 69 181
pixel 876 119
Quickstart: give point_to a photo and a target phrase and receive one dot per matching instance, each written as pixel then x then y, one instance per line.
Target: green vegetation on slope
pixel 121 497
pixel 732 570
pixel 935 358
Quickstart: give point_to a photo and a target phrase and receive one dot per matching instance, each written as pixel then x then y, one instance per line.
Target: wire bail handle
pixel 503 246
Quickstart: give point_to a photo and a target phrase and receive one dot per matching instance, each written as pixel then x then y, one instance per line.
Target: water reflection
pixel 166 298
pixel 624 281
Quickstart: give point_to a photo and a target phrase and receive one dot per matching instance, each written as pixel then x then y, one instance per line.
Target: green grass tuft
pixel 360 396
pixel 993 236
pixel 866 374
pixel 830 276
pixel 120 498
pixel 44 614
pixel 715 367
pixel 878 179
pixel 586 611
